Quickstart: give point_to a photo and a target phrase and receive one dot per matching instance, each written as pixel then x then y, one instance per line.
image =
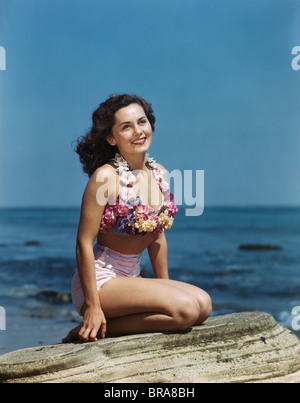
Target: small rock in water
pixel 54 297
pixel 259 247
pixel 32 243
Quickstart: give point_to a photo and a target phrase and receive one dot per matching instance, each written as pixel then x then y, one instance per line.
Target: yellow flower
pixel 150 225
pixel 164 217
pixel 145 225
pixel 169 224
pixel 165 220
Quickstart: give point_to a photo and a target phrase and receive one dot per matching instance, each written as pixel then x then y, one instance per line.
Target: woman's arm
pixel 90 218
pixel 158 249
pixel 158 253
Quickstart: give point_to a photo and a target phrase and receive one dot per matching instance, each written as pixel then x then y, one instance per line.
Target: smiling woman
pixel 107 289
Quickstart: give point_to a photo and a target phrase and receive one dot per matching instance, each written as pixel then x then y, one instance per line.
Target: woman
pixel 127 207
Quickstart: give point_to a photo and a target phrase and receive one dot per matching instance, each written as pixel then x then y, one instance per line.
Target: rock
pixel 258 247
pixel 242 347
pixel 32 243
pixel 53 297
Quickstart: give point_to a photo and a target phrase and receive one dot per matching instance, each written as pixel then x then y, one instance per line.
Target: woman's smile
pixel 141 141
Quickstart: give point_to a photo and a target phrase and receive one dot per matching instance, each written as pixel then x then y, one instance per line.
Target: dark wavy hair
pixel 93 149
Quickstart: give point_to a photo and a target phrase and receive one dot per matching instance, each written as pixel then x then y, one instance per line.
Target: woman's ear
pixel 111 141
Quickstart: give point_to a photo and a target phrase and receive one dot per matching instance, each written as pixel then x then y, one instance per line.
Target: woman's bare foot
pixel 73 335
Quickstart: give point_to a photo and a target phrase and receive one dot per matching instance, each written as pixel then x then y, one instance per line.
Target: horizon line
pixel 209 206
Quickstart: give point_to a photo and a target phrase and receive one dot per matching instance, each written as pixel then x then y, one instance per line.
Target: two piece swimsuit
pixel 128 216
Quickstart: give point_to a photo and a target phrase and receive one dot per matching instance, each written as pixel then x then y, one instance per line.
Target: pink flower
pixel 109 219
pixel 126 193
pixel 122 210
pixel 157 173
pixel 159 226
pixel 164 186
pixel 159 177
pixel 172 208
pixel 127 178
pixel 143 212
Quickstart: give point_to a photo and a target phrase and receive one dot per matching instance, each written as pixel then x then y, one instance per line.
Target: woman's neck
pixel 135 161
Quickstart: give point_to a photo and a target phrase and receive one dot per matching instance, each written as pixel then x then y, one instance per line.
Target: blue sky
pixel 218 74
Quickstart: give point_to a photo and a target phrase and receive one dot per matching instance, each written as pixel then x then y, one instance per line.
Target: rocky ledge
pixel 242 347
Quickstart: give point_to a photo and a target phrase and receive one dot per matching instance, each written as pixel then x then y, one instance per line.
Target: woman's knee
pixel 205 303
pixel 186 312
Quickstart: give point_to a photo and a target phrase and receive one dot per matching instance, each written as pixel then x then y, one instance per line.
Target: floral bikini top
pixel 129 216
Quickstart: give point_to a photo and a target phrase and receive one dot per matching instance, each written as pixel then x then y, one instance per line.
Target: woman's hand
pixel 93 321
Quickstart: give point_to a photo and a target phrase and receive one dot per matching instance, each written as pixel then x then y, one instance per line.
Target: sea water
pixel 37 262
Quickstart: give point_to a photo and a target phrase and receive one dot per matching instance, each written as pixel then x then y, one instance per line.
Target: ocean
pixel 247 259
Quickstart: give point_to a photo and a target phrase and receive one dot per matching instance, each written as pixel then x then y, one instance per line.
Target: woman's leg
pixel 142 305
pixel 201 296
pixel 136 305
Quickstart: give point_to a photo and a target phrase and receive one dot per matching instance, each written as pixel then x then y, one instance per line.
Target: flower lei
pixel 129 214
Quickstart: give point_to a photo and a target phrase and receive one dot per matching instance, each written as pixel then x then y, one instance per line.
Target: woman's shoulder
pixel 160 166
pixel 107 174
pixel 104 174
pixel 106 168
pixel 102 185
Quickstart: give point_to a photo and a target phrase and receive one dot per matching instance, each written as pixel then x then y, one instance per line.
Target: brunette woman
pixel 126 208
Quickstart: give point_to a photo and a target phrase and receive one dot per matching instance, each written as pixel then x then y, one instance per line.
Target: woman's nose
pixel 138 130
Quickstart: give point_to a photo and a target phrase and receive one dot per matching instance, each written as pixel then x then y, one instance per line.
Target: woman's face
pixel 132 132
